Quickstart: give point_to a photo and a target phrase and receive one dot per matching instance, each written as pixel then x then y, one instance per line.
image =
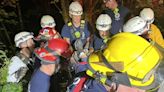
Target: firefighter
pixel 47 21
pixel 148 15
pixel 128 59
pixel 48 30
pixel 140 27
pixel 76 31
pixel 22 64
pixel 48 27
pixel 19 65
pixel 154 32
pixel 120 67
pixel 50 59
pixel 118 13
pixel 103 25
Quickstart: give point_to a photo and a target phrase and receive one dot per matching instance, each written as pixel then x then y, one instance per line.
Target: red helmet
pixel 46 33
pixel 53 48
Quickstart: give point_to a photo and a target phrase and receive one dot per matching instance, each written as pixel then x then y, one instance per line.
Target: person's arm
pixel 80 67
pixel 40 81
pixel 156 35
pixel 65 33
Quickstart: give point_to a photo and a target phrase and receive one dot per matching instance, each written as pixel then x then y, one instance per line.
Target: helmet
pixel 22 37
pixel 47 21
pixel 148 15
pixel 46 33
pixel 53 49
pixel 129 53
pixel 75 8
pixel 103 22
pixel 135 25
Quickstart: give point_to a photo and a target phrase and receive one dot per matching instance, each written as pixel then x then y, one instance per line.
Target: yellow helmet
pixel 129 53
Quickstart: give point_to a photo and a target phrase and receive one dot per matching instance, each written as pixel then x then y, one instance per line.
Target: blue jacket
pixel 117 24
pixel 66 32
pixel 40 82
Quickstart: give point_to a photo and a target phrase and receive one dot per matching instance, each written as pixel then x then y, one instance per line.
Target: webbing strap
pixel 74 29
pixel 51 51
pixel 98 76
pixel 107 63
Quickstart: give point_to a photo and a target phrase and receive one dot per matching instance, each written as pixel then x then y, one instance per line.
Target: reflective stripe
pixel 47 61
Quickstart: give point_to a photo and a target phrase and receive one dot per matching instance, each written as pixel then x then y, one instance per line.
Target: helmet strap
pixel 54 54
pixel 51 51
pixel 108 64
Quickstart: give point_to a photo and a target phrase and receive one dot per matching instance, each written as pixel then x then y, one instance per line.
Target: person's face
pixel 29 43
pixel 76 18
pixel 110 4
pixel 104 34
pixel 48 69
pixel 146 30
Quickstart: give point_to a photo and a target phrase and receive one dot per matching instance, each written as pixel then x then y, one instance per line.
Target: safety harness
pixel 116 14
pixel 77 33
pixel 79 45
pixel 27 60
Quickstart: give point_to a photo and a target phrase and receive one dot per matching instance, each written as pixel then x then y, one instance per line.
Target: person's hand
pixel 83 55
pixel 57 35
pixel 91 50
pixel 111 88
pixel 48 69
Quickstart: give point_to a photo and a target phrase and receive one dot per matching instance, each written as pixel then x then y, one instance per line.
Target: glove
pixel 17 70
pixel 82 55
pixel 75 58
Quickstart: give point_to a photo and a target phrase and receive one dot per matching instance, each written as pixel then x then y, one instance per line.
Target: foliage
pixel 12 87
pixel 4 68
pixel 8 22
pixel 11 3
pixel 4 86
pixel 64 6
pixel 7 16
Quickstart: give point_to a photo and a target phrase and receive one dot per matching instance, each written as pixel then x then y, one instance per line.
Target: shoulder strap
pixel 82 25
pixel 69 24
pixel 72 30
pixel 28 61
pixel 23 58
pixel 108 64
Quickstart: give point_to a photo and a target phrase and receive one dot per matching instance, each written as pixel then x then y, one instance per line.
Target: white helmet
pixel 148 15
pixel 47 21
pixel 22 37
pixel 135 25
pixel 75 8
pixel 103 22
